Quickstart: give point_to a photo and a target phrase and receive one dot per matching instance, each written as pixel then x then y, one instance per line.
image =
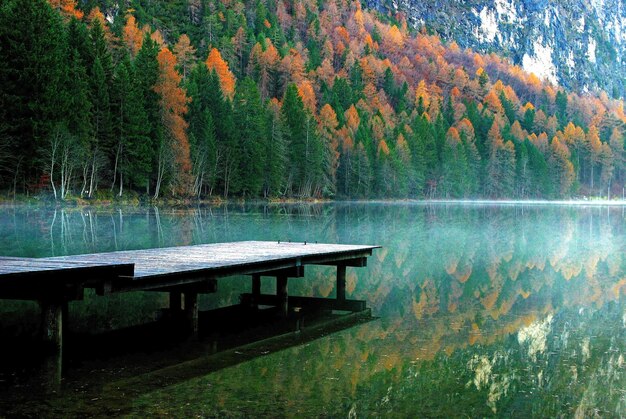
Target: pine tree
pixel 275 151
pixel 541 184
pixel 454 166
pixel 146 70
pixel 250 129
pixel 100 70
pixel 561 107
pixel 298 138
pixel 100 123
pixel 500 166
pixel 473 176
pixel 562 170
pixel 131 153
pixel 327 128
pixel 202 131
pixel 32 65
pixel 424 152
pixel 222 113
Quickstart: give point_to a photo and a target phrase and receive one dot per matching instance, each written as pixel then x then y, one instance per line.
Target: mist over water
pixel 484 309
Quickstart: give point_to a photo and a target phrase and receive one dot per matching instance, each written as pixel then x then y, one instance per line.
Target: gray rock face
pixel 578 44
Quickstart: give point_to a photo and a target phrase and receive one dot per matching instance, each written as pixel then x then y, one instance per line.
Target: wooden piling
pixel 191 312
pixel 256 290
pixel 52 325
pixel 341 282
pixel 282 295
pixel 184 270
pixel 52 313
pixel 175 305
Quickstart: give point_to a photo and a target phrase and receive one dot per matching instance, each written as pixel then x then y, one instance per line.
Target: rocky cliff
pixel 578 44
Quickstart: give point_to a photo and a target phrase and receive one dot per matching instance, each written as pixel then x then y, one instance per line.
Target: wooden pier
pixel 183 272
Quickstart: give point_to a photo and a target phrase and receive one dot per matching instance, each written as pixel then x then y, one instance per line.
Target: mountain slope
pixel 578 44
pixel 283 98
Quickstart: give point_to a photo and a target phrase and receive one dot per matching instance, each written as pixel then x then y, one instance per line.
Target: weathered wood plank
pixel 47 270
pixel 223 258
pixel 180 266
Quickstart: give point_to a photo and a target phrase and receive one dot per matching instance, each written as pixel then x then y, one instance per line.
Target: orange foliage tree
pixel 184 53
pixel 327 128
pixel 307 94
pixel 67 8
pixel 216 63
pixel 562 168
pixel 132 35
pixel 173 102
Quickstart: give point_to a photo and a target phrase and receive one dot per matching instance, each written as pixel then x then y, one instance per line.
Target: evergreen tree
pixel 356 81
pixel 362 172
pixel 454 166
pixel 101 71
pixel 561 107
pixel 146 70
pixel 275 153
pixel 131 152
pixel 509 108
pixel 341 96
pixel 32 66
pixel 222 114
pixel 424 152
pixel 528 123
pixel 250 129
pixel 201 130
pixel 522 170
pixel 298 138
pixel 541 184
pixel 78 39
pixel 100 123
pixel 500 166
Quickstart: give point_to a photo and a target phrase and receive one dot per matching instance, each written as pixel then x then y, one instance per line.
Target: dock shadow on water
pixel 483 310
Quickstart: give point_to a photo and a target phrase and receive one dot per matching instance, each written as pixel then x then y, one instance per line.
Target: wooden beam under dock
pixel 181 271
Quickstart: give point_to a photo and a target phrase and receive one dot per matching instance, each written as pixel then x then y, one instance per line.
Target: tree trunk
pixel 121 184
pixel 85 172
pixel 93 173
pixel 117 156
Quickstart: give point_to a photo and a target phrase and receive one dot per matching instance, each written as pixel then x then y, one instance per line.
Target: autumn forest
pixel 282 99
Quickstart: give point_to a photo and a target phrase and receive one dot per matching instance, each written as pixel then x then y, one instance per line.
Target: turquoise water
pixel 483 310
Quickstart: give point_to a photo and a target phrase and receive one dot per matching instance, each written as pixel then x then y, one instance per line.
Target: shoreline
pixel 217 202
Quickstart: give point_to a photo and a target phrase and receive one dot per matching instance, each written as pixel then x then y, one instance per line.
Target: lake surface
pixel 483 310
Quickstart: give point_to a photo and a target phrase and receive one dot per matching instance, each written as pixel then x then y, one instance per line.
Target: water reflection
pixel 483 309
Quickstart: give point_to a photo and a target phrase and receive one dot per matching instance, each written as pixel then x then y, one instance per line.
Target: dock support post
pixel 341 282
pixel 52 325
pixel 256 290
pixel 191 312
pixel 52 312
pixel 281 293
pixel 174 302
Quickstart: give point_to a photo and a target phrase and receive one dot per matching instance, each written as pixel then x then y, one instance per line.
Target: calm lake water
pixel 483 310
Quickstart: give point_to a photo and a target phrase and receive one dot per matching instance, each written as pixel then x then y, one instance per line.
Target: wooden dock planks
pixel 44 268
pixel 184 270
pixel 146 269
pixel 224 259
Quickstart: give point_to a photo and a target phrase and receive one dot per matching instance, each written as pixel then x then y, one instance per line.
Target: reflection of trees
pixel 453 286
pixel 454 290
pixel 461 265
pixel 554 370
pixel 479 271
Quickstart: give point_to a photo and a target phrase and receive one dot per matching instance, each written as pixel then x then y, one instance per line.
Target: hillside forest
pixel 282 99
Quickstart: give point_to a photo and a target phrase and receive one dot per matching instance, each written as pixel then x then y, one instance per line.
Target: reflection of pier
pixel 183 272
